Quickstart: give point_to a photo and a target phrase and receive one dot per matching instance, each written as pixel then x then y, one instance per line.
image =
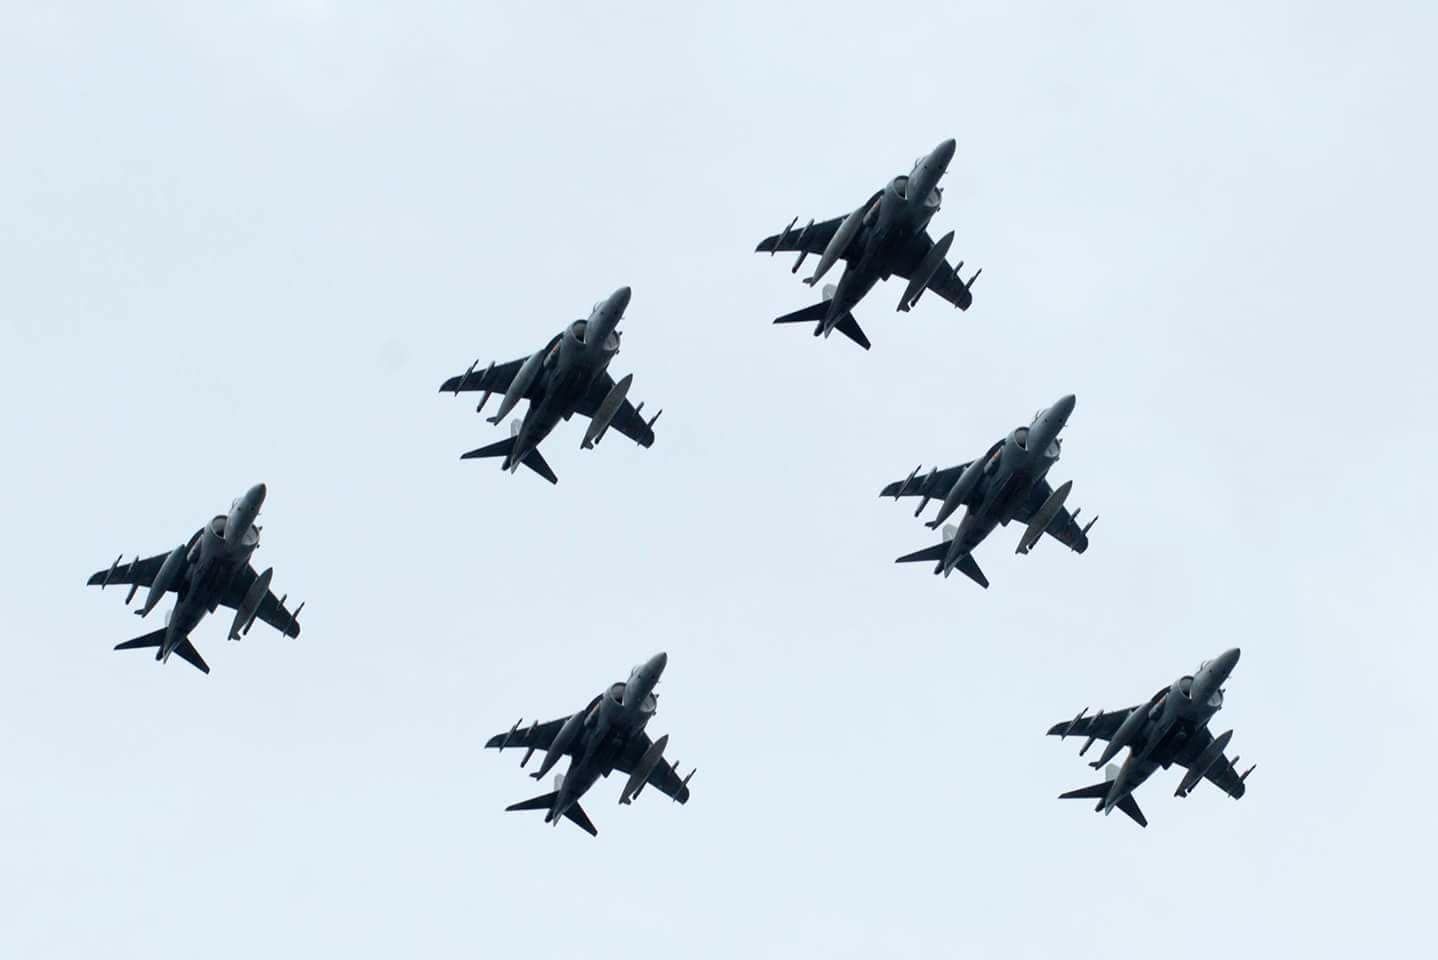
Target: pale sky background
pixel 247 242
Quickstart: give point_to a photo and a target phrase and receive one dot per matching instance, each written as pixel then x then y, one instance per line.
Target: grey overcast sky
pixel 246 242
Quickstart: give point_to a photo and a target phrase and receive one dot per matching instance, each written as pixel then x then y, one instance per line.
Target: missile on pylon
pixel 111 572
pixel 1093 733
pixel 803 251
pixel 524 761
pixel 783 236
pixel 134 582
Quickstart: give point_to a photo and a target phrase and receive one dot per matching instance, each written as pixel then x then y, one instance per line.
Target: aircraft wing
pixel 1063 527
pixel 539 737
pixel 626 419
pixel 271 610
pixel 497 379
pixel 924 485
pixel 815 238
pixel 938 485
pixel 663 777
pixel 140 572
pixel 1222 774
pixel 945 281
pixel 1099 726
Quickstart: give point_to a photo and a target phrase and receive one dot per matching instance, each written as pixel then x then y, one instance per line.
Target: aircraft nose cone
pixel 257 493
pixel 657 663
pixel 1227 660
pixel 620 298
pixel 944 152
pixel 1065 406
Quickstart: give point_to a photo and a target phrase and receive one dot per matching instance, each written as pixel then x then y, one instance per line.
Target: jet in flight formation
pixel 568 375
pixel 210 570
pixel 605 736
pixel 1172 727
pixel 1007 483
pixel 884 235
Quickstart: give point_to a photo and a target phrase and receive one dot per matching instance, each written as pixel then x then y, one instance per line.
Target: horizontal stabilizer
pixel 1099 792
pixel 576 813
pixel 503 448
pixel 544 802
pixel 814 314
pixel 536 462
pixel 969 567
pixel 1130 806
pixel 1096 792
pixel 148 640
pixel 849 327
pixel 934 553
pixel 187 651
pixel 499 448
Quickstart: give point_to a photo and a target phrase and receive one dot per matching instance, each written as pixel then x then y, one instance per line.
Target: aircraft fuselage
pixel 1015 465
pixel 213 559
pixel 578 358
pixel 617 716
pixel 899 214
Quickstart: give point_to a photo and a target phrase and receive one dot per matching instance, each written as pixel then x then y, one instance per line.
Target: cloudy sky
pixel 247 242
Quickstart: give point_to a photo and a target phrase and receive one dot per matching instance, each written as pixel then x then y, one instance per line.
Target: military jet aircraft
pixel 605 736
pixel 1007 483
pixel 568 376
pixel 1172 727
pixel 211 569
pixel 884 235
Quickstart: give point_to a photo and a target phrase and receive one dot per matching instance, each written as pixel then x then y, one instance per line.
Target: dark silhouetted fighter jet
pixel 606 735
pixel 1172 727
pixel 885 235
pixel 568 375
pixel 210 570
